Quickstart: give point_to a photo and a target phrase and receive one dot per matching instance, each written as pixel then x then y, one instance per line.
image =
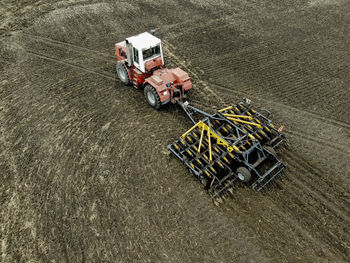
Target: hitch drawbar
pixel 235 144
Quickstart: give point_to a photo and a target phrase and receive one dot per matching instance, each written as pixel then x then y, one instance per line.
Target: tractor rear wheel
pixel 152 97
pixel 122 73
pixel 243 174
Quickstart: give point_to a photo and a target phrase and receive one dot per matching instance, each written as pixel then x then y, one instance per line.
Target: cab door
pixel 138 60
pixel 136 57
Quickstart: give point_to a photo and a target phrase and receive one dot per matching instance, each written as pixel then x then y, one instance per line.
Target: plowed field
pixel 85 173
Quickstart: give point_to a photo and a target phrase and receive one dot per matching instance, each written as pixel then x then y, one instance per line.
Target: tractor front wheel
pixel 152 97
pixel 122 73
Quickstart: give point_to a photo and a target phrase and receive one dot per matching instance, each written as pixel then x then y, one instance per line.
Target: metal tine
pixel 230 190
pixel 220 200
pixel 224 192
pixel 216 202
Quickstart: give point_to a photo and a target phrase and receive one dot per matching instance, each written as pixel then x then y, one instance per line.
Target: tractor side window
pixel 136 55
pixel 154 51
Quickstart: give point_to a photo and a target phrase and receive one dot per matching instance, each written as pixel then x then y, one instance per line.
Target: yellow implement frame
pixel 200 141
pixel 228 108
pixel 209 142
pixel 211 135
pixel 246 122
pixel 238 118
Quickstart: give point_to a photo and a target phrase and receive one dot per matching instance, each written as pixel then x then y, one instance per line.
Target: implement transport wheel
pixel 122 73
pixel 270 150
pixel 152 97
pixel 243 174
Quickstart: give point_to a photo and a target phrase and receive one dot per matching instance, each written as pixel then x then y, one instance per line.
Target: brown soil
pixel 85 173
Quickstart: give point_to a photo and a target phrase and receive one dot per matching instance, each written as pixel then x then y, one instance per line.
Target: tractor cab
pixel 144 51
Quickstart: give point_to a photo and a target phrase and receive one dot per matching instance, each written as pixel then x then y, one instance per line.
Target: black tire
pixel 122 73
pixel 243 174
pixel 152 97
pixel 270 150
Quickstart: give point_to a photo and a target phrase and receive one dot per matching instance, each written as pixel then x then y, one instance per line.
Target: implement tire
pixel 243 174
pixel 152 97
pixel 122 73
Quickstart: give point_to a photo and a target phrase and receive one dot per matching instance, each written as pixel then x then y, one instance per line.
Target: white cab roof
pixel 143 41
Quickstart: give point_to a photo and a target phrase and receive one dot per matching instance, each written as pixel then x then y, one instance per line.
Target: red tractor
pixel 141 64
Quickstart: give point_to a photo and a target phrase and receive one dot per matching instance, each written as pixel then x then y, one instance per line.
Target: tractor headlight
pixel 165 93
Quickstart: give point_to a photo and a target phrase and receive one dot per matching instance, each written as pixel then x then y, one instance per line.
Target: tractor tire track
pixel 296 194
pixel 69 46
pixel 305 217
pixel 299 163
pixel 93 71
pixel 340 148
pixel 306 187
pixel 302 188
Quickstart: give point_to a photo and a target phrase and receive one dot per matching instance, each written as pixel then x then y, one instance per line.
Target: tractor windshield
pixel 153 51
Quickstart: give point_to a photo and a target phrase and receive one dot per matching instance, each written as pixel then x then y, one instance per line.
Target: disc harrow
pixel 235 144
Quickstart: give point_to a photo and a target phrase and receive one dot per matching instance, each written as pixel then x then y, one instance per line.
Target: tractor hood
pixel 167 77
pixel 180 75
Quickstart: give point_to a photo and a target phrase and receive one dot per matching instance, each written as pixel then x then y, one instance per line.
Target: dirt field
pixel 85 173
